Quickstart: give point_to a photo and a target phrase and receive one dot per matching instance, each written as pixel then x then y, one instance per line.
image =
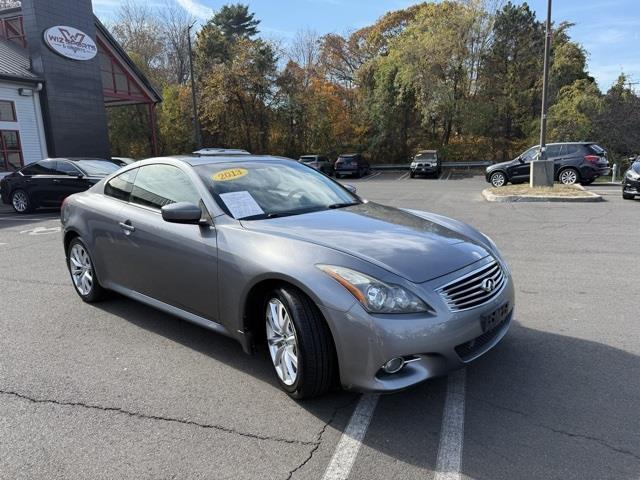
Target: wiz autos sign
pixel 70 42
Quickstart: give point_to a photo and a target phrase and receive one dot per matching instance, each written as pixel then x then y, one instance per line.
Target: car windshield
pixel 426 156
pixel 269 189
pixel 97 167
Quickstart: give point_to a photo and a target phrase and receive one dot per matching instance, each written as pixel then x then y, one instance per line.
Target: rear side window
pixel 554 151
pixel 158 185
pixel 121 186
pixel 572 149
pixel 46 167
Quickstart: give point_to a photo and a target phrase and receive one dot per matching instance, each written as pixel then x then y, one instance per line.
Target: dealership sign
pixel 70 42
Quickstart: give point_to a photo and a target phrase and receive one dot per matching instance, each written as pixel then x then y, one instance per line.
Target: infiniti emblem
pixel 487 285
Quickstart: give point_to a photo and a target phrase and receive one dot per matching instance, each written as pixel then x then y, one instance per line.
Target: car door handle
pixel 127 227
pixel 55 180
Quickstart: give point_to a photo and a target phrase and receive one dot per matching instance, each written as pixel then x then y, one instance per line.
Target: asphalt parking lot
pixel 119 390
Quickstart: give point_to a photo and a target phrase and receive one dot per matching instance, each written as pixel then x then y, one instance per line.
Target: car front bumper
pixel 631 187
pixel 433 345
pixel 424 169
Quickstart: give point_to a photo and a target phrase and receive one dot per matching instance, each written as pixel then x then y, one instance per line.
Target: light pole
pixel 196 122
pixel 542 171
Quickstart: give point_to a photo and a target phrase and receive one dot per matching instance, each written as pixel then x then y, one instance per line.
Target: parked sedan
pixel 48 182
pixel 273 253
pixel 351 164
pixel 631 181
pixel 573 163
pixel 426 162
pixel 318 162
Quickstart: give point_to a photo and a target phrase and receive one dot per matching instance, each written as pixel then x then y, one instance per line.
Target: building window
pixel 10 151
pixel 7 111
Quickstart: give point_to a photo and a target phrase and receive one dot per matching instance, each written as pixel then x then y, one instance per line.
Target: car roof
pixel 349 155
pixel 75 159
pixel 427 151
pixel 213 159
pixel 221 151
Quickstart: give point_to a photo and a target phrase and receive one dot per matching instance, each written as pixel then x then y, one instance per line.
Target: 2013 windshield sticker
pixel 229 174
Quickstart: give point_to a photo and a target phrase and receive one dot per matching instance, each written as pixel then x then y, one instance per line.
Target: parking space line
pixel 372 176
pixel 447 175
pixel 347 449
pixel 403 176
pixel 449 461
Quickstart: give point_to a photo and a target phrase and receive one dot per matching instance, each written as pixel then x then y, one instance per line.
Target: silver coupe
pixel 271 252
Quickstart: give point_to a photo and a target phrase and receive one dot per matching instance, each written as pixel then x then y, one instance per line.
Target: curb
pixel 490 197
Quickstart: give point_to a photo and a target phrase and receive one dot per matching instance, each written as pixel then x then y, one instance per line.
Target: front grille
pixel 475 288
pixel 468 350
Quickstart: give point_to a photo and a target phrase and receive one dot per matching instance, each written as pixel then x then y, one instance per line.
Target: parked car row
pixel 347 164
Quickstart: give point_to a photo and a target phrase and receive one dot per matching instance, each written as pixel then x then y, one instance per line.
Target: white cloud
pixel 196 9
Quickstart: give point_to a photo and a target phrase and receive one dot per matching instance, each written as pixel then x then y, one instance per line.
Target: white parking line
pixel 404 176
pixel 372 176
pixel 351 440
pixel 449 461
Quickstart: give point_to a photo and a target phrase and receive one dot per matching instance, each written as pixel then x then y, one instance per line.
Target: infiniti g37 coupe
pixel 271 252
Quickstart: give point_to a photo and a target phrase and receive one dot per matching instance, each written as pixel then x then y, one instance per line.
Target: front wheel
pixel 628 196
pixel 83 273
pixel 299 343
pixel 21 201
pixel 498 179
pixel 412 175
pixel 569 176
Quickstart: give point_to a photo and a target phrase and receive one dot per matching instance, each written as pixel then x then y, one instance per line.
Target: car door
pixel 520 170
pixel 170 262
pixel 69 180
pixel 558 154
pixel 42 183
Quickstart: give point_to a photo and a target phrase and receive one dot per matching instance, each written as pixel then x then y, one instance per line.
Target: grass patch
pixel 555 191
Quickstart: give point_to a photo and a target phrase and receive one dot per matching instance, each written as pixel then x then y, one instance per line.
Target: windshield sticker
pixel 229 174
pixel 241 204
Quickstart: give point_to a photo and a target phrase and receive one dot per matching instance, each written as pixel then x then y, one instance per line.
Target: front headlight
pixel 374 295
pixel 632 174
pixel 413 164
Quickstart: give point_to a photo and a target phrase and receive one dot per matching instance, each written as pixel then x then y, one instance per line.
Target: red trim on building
pixel 4 164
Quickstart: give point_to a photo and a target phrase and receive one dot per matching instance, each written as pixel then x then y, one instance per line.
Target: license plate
pixel 489 322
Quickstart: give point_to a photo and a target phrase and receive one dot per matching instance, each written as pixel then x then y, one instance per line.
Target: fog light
pixel 394 365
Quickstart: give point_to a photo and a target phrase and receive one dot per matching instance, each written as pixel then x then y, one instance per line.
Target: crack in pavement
pixel 159 418
pixel 319 436
pixel 559 431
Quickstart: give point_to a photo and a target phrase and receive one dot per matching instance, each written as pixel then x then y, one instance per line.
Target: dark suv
pixel 631 181
pixel 351 164
pixel 581 162
pixel 318 162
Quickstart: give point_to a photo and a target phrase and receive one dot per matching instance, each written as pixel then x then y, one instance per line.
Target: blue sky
pixel 608 29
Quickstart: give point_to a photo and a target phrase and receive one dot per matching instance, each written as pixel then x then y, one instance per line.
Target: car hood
pixel 500 165
pixel 416 248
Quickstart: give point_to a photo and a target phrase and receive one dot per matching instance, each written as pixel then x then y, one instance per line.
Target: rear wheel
pixel 569 176
pixel 83 273
pixel 498 179
pixel 412 175
pixel 21 201
pixel 299 343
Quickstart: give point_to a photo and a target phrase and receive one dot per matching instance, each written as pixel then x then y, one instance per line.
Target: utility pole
pixel 542 171
pixel 196 121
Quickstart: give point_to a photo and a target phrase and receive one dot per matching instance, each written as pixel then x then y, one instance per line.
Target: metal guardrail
pixel 402 167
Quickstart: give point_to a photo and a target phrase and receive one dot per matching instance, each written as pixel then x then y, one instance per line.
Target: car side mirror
pixel 181 212
pixel 75 174
pixel 351 188
pixel 520 159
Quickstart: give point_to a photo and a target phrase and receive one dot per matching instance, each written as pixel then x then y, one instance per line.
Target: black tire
pixel 358 174
pixel 96 291
pixel 628 196
pixel 412 175
pixel 569 172
pixel 21 202
pixel 337 175
pixel 315 350
pixel 494 179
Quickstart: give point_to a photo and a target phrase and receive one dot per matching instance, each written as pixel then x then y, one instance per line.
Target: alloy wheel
pixel 568 177
pixel 20 201
pixel 282 341
pixel 81 269
pixel 498 179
